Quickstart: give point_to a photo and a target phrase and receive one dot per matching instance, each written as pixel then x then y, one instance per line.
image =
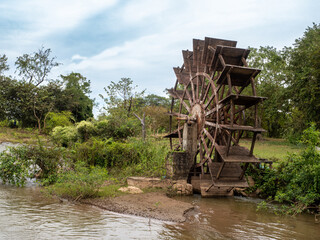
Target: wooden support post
pixel 253 143
pixel 220 170
pixel 229 83
pixel 231 112
pixel 243 171
pixel 229 143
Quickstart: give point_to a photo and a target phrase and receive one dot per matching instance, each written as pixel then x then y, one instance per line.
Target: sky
pixel 106 40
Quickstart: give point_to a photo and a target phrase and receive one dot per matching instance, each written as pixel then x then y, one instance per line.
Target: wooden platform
pixel 213 43
pixel 237 154
pixel 242 100
pixel 236 127
pixel 183 77
pixel 231 56
pixel 240 76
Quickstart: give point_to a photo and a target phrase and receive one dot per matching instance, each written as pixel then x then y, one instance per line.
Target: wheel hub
pixel 197 112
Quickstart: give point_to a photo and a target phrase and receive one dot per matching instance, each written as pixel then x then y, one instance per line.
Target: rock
pixel 130 189
pixel 144 182
pixel 183 188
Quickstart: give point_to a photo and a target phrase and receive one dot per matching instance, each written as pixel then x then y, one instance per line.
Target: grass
pixel 272 148
pixel 18 135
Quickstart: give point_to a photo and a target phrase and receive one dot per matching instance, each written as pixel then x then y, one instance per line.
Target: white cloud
pixel 40 18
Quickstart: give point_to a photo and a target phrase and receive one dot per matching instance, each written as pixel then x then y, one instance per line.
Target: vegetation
pixel 290 79
pixel 76 156
pixel 294 180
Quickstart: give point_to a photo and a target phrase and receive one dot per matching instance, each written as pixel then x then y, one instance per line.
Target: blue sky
pixel 106 40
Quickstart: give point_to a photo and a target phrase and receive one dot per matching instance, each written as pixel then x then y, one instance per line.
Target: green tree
pixel 122 97
pixel 35 68
pixel 271 83
pixel 3 64
pixel 75 96
pixel 304 83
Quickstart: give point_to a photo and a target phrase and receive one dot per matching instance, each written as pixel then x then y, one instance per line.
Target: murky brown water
pixel 26 214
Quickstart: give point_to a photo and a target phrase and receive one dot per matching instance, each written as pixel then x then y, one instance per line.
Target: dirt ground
pixel 150 205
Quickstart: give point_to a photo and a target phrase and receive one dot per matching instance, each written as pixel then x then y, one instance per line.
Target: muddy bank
pixel 150 205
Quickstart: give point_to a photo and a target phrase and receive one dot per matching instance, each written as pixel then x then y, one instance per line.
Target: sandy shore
pixel 150 205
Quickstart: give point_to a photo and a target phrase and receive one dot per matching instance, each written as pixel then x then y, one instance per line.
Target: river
pixel 25 213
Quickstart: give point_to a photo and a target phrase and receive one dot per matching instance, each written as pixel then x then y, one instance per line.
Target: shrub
pixel 295 181
pixel 16 166
pixel 65 136
pixel 58 119
pixel 82 182
pixel 85 130
pixel 20 163
pixel 105 153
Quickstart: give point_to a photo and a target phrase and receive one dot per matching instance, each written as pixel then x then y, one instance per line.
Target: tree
pixel 3 64
pixel 122 97
pixel 304 83
pixel 123 101
pixel 271 83
pixel 35 68
pixel 75 96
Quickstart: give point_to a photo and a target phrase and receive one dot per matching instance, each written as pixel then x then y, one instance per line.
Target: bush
pixel 85 130
pixel 82 182
pixel 295 181
pixel 20 163
pixel 62 119
pixel 106 153
pixel 65 136
pixel 16 166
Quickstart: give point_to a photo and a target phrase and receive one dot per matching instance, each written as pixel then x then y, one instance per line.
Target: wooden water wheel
pixel 214 89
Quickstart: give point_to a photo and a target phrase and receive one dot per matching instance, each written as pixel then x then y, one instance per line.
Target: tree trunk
pixel 143 123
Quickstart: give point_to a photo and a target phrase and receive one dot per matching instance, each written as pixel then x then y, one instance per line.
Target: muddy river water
pixel 25 213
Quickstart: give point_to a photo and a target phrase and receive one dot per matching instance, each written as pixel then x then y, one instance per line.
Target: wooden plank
pixel 187 59
pixel 236 127
pixel 216 192
pixel 177 94
pixel 242 100
pixel 240 76
pixel 231 56
pixel 237 154
pixel 230 170
pixel 174 134
pixel 183 77
pixel 213 42
pixel 198 46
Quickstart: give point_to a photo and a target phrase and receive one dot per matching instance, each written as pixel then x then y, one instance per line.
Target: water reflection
pixel 26 214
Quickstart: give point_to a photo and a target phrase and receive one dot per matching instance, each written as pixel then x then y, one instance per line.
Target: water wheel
pixel 214 89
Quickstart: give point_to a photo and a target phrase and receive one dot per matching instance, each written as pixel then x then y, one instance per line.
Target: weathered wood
pixel 237 154
pixel 213 78
pixel 240 76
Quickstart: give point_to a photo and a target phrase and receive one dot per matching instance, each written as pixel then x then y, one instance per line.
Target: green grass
pixel 17 135
pixel 272 148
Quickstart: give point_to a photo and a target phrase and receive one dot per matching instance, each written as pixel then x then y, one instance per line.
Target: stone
pixel 130 189
pixel 144 182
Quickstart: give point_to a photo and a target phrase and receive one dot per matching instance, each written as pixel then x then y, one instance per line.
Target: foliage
pixel 295 181
pixel 23 162
pixel 271 83
pixel 16 166
pixel 3 64
pixel 62 119
pixel 75 97
pixel 304 87
pixel 122 97
pixel 35 68
pixel 65 136
pixel 85 130
pixel 106 153
pixel 80 182
pixel 116 127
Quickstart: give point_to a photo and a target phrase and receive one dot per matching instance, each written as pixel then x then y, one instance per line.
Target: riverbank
pixel 154 205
